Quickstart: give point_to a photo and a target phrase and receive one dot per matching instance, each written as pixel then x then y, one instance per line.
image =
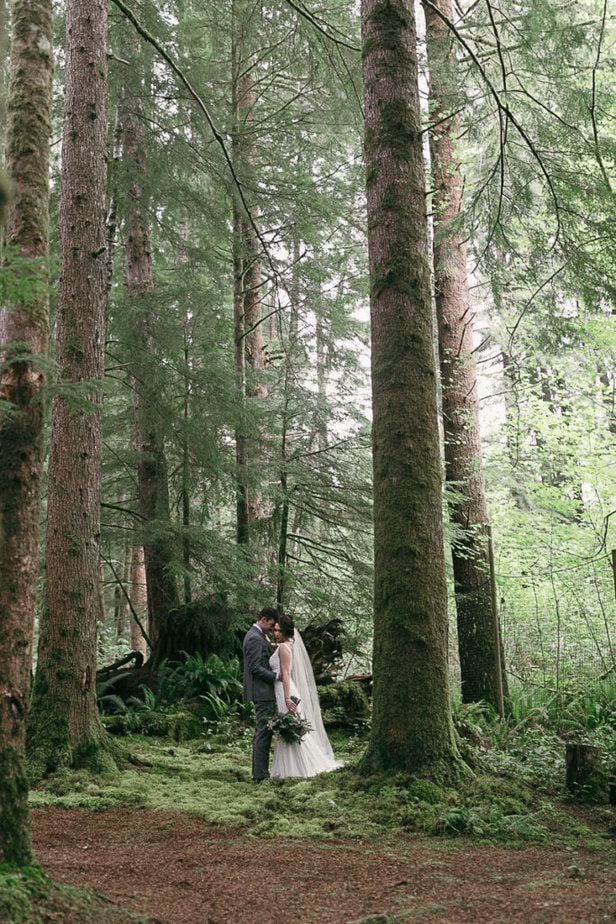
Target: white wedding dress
pixel 313 754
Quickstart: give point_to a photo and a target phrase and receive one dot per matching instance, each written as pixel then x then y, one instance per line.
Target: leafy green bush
pixel 194 676
pixel 530 744
pixel 136 716
pixel 196 697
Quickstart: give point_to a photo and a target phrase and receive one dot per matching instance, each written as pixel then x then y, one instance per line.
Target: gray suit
pixel 259 682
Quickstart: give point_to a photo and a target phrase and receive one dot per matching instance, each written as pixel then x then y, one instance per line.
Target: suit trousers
pixel 262 741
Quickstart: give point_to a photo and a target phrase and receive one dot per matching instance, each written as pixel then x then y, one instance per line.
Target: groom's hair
pixel 268 612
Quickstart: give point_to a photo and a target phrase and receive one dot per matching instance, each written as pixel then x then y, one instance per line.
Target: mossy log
pixel 126 682
pixel 344 704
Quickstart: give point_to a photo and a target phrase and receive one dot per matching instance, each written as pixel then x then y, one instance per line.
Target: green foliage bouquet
pixel 290 726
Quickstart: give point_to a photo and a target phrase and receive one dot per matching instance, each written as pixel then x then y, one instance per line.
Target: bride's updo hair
pixel 287 626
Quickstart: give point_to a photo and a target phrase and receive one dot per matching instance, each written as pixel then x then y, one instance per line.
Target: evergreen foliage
pixel 536 104
pixel 535 92
pixel 312 470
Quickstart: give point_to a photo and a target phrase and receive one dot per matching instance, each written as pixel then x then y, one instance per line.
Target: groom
pixel 259 682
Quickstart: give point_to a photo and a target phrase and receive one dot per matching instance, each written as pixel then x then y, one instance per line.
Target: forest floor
pixel 177 868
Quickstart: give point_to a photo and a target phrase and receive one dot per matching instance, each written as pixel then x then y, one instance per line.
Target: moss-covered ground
pixel 212 780
pixel 512 798
pixel 28 896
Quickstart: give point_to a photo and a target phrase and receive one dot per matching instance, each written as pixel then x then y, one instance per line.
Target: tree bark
pixel 607 382
pixel 65 727
pixel 290 375
pixel 585 777
pixel 121 609
pixel 241 439
pixel 139 600
pixel 477 643
pixel 248 309
pixel 24 332
pixel 152 478
pixel 186 468
pixel 412 728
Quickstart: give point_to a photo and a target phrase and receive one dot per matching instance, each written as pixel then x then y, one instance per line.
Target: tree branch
pixel 143 32
pixel 301 10
pixel 503 108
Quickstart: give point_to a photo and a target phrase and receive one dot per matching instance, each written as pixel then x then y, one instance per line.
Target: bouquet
pixel 290 726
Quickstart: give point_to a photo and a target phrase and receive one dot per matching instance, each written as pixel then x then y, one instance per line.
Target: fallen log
pixel 136 656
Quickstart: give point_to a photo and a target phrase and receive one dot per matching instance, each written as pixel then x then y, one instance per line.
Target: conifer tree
pixel 543 238
pixel 65 728
pixel 412 728
pixel 481 677
pixel 152 474
pixel 193 340
pixel 23 351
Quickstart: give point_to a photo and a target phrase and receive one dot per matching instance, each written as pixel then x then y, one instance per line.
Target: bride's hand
pixel 291 706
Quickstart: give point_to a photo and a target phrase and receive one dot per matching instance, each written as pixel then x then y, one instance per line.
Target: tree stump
pixel 585 777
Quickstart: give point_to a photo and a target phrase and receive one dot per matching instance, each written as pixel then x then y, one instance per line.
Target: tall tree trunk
pixel 512 397
pixel 139 599
pixel 255 353
pixel 65 726
pixel 290 375
pixel 152 478
pixel 121 608
pixel 412 728
pixel 5 183
pixel 241 440
pixel 186 480
pixel 607 382
pixel 247 268
pixel 24 332
pixel 323 369
pixel 112 213
pixel 477 643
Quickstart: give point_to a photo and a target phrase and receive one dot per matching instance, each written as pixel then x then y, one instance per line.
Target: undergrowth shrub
pixel 196 676
pixel 196 697
pixel 490 822
pixel 530 744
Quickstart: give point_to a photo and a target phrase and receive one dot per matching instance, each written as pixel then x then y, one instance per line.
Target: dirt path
pixel 179 870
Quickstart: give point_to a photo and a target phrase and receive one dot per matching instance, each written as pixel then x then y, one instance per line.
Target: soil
pixel 177 869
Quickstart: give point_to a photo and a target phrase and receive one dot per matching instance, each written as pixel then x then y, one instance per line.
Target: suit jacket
pixel 259 679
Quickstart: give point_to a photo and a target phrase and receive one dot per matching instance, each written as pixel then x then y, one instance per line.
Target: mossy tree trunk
pixel 65 728
pixel 24 332
pixel 412 728
pixel 463 461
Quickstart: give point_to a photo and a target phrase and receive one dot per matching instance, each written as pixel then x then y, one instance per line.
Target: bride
pixel 290 661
